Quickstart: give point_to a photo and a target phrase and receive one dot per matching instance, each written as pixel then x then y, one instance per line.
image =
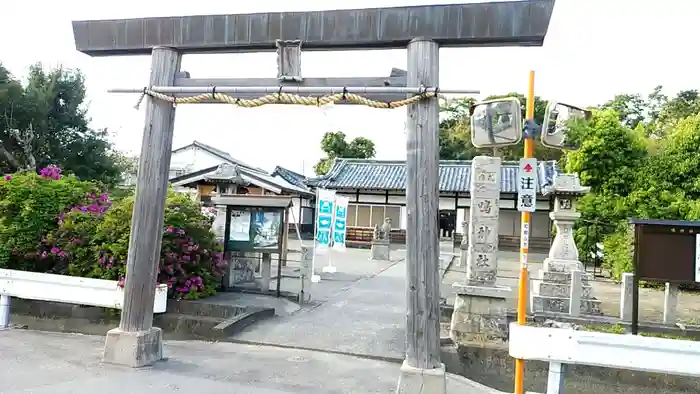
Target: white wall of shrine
pixel 367 208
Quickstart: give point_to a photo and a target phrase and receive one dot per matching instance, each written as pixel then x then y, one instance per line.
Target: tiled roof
pixel 221 154
pixel 290 176
pixel 247 174
pixel 454 175
pixel 279 182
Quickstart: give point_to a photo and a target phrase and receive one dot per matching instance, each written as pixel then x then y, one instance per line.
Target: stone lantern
pixel 552 289
pixel 563 254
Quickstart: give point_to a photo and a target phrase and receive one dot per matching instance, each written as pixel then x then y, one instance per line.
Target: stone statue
pixel 386 228
pixel 465 233
pixel 380 242
pixel 381 233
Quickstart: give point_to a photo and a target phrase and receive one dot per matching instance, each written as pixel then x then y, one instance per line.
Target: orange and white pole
pixel 524 238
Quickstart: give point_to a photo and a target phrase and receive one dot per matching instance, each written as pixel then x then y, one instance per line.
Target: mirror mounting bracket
pixel 531 129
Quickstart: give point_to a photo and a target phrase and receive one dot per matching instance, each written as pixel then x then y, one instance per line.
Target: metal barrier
pixel 591 246
pixel 561 347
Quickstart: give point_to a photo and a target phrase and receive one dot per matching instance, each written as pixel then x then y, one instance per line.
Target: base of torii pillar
pixel 133 349
pixel 422 381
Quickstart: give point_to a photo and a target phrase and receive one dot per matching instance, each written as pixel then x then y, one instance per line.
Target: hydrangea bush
pixel 87 235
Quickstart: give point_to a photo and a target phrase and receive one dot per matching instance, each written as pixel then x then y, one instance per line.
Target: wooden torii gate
pixel 136 342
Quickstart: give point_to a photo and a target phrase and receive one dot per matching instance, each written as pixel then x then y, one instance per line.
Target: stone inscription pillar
pixel 482 252
pixel 479 317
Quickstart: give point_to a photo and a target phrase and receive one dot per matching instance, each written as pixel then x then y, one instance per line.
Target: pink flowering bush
pixel 94 239
pixel 54 223
pixel 51 172
pixel 29 203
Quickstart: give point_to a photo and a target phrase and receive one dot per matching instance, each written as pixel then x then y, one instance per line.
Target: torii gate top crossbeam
pixel 511 23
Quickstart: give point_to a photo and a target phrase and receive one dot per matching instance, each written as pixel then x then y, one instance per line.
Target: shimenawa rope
pixel 287 98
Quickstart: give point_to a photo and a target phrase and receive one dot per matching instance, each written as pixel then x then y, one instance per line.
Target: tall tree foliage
pixel 608 160
pixel 44 121
pixel 609 156
pixel 656 114
pixel 335 145
pixel 640 157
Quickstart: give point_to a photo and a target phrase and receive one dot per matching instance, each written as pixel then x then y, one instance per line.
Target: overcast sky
pixel 594 49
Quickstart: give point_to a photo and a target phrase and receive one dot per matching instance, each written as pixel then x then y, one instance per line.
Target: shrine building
pixel 376 189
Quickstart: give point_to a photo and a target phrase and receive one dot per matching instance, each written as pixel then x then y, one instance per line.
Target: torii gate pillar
pixel 136 343
pixel 422 371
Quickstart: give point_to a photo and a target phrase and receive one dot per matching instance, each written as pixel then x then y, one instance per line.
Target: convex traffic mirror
pixel 496 123
pixel 557 119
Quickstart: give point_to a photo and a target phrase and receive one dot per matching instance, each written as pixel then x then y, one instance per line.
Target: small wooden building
pixel 233 179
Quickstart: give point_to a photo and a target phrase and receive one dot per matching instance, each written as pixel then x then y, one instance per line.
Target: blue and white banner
pixel 339 222
pixel 324 218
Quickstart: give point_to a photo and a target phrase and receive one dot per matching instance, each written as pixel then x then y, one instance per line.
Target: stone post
pixel 305 274
pixel 552 289
pixel 266 272
pixel 479 316
pixel 575 293
pixel 671 295
pixel 464 245
pixel 5 302
pixel 626 297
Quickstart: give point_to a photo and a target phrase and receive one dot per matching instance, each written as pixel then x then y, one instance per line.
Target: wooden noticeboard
pixel 664 251
pixel 271 221
pixel 259 225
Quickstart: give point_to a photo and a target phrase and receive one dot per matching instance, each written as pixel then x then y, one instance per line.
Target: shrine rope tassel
pixel 288 98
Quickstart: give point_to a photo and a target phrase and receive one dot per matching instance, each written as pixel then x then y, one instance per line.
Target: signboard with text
pixel 527 185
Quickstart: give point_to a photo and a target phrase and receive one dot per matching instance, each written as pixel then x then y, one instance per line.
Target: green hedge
pixel 58 224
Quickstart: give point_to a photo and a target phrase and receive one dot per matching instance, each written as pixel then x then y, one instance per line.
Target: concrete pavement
pixel 360 311
pixel 50 363
pixel 364 317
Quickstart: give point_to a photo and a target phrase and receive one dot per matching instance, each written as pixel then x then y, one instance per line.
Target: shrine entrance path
pixel 359 310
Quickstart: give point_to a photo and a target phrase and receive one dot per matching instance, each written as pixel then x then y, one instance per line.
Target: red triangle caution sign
pixel 528 167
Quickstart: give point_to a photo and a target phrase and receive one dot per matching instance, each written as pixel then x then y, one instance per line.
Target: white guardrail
pixel 560 347
pixel 66 289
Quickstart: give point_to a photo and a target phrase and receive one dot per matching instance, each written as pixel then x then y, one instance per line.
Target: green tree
pixel 610 154
pixel 676 167
pixel 335 145
pixel 127 164
pixel 685 104
pixel 636 111
pixel 656 114
pixel 455 134
pixel 656 100
pixel 608 160
pixel 631 109
pixel 45 122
